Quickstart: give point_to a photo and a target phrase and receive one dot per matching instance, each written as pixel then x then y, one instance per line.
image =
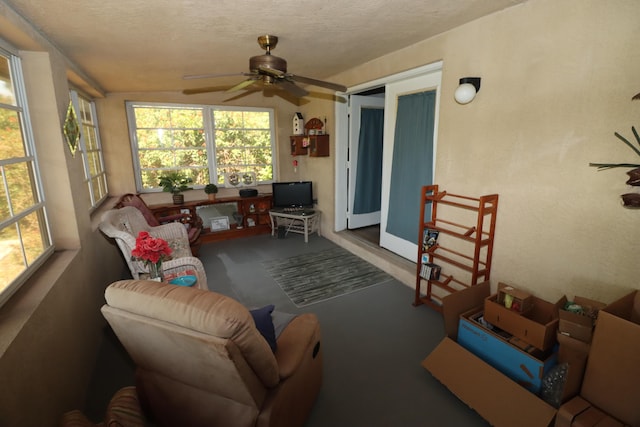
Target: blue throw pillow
pixel 264 324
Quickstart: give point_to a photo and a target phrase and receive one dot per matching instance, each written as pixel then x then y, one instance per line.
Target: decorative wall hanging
pixel 72 129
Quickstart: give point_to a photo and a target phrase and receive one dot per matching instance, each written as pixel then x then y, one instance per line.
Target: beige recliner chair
pixel 201 361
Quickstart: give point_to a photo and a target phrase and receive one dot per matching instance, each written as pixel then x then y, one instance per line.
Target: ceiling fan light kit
pixel 269 70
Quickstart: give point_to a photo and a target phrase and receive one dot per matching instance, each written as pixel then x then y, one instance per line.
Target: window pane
pixel 7 93
pixel 175 138
pixel 21 190
pixel 11 142
pixel 231 156
pixel 98 190
pixel 189 138
pixel 150 138
pixel 153 117
pixel 257 120
pixel 228 119
pixel 90 138
pixel 89 147
pixel 33 236
pixel 4 202
pixel 186 118
pixel 264 173
pixel 13 263
pixel 94 163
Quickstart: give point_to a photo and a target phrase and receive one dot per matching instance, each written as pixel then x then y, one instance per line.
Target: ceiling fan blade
pixel 292 88
pixel 242 85
pixel 271 71
pixel 321 83
pixel 204 90
pixel 207 76
pixel 636 96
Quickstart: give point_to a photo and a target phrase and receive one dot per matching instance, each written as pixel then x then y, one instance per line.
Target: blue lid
pixel 184 280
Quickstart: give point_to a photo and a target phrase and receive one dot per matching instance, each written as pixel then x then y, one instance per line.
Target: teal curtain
pixel 369 171
pixel 412 164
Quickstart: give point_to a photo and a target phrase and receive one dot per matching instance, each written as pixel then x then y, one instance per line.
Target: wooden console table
pixel 295 222
pixel 254 211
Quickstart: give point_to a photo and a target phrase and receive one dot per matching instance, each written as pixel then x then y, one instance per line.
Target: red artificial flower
pixel 150 249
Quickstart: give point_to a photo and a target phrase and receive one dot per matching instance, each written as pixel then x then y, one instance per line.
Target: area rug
pixel 310 278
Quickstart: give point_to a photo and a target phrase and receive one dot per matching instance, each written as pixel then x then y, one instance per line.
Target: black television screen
pixel 297 194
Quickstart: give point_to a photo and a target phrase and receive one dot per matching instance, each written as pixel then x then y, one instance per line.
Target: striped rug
pixel 311 278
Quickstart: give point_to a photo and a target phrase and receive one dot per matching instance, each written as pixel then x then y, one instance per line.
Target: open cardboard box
pixel 575 353
pixel 498 399
pixel 538 326
pixel 527 368
pixel 579 326
pixel 580 413
pixel 612 377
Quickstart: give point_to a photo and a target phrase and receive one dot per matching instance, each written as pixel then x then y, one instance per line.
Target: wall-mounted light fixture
pixel 467 90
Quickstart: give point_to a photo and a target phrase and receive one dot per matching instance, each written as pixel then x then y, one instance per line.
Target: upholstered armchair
pixel 193 224
pixel 124 224
pixel 201 361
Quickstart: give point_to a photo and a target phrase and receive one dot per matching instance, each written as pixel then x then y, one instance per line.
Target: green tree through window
pixel 201 142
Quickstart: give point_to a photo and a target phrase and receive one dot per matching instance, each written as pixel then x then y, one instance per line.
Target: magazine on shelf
pixel 430 238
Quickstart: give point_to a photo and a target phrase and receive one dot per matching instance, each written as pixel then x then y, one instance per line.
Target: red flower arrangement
pixel 150 250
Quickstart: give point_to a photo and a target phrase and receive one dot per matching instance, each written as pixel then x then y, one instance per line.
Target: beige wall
pixel 51 328
pixel 557 81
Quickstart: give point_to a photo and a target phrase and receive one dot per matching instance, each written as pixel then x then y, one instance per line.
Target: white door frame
pixel 423 83
pixel 342 137
pixel 356 104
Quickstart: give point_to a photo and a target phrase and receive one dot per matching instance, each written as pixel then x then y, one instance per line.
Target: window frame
pixel 209 135
pixel 76 96
pixel 31 159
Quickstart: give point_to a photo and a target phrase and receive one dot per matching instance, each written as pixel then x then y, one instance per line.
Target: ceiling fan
pixel 269 70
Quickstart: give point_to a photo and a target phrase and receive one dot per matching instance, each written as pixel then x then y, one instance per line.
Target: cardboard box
pixel 497 398
pixel 612 377
pixel 580 413
pixel 589 417
pixel 538 326
pixel 570 410
pixel 522 367
pixel 574 353
pixel 520 301
pixel 579 326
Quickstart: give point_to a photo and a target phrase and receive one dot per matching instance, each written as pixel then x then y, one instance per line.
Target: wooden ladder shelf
pixel 463 250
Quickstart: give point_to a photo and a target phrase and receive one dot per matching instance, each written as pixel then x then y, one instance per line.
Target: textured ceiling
pixel 148 45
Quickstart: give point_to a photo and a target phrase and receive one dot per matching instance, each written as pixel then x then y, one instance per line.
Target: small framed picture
pixel 220 223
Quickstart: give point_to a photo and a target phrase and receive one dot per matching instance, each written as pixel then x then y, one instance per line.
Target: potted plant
pixel 629 200
pixel 175 183
pixel 211 190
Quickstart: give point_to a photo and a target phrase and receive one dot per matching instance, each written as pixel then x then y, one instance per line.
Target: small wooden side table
pixel 295 222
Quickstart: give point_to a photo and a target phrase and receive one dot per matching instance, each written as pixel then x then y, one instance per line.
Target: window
pixel 201 142
pixel 25 241
pixel 91 149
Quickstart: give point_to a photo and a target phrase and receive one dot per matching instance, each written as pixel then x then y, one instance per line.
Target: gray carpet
pixel 373 341
pixel 310 278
